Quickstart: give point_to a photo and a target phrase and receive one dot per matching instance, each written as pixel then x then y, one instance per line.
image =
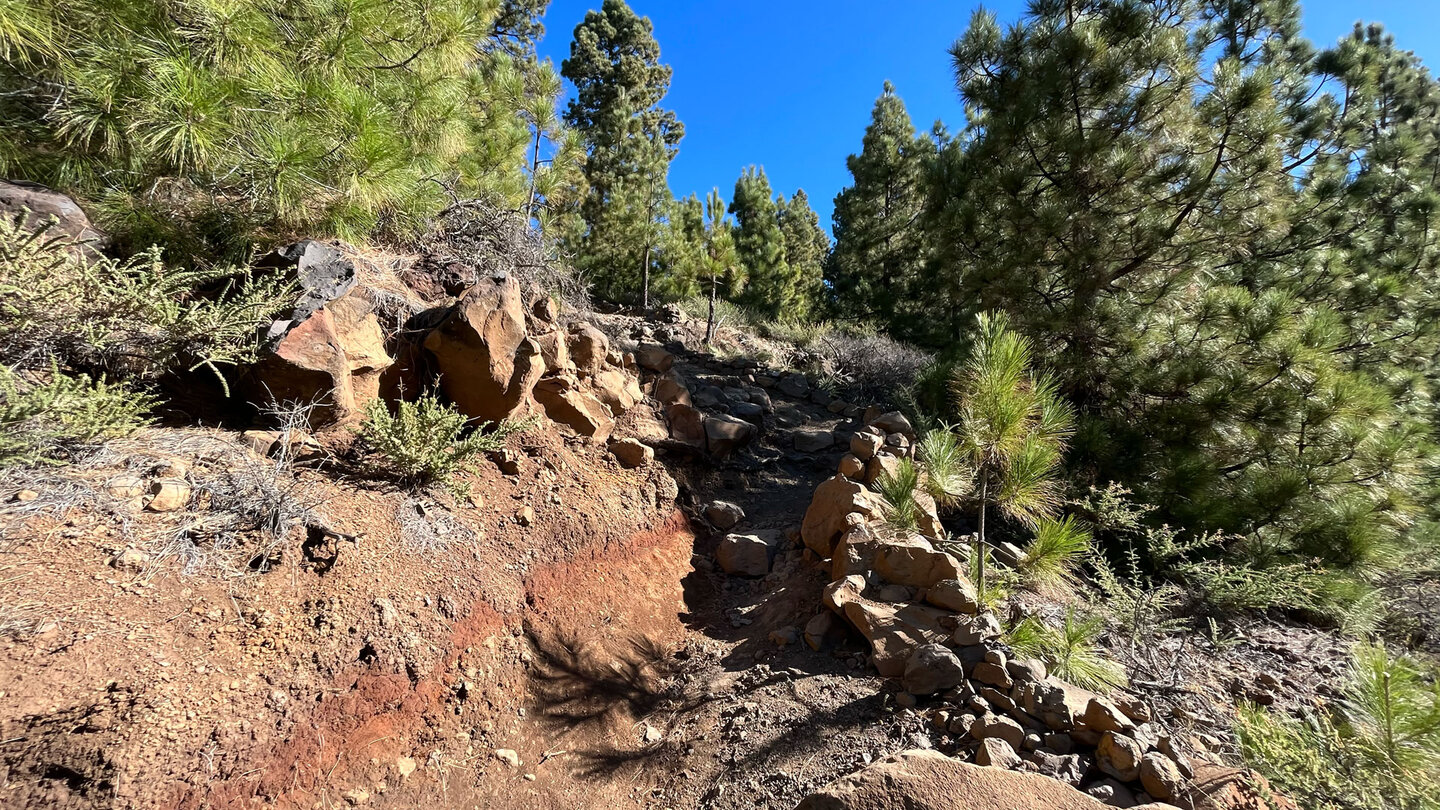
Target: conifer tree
pixel 198 119
pixel 630 140
pixel 806 247
pixel 721 266
pixel 880 243
pixel 760 245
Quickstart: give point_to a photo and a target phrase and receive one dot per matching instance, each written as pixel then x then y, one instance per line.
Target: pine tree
pixel 760 246
pixel 683 251
pixel 806 247
pixel 630 140
pixel 212 122
pixel 880 243
pixel 721 266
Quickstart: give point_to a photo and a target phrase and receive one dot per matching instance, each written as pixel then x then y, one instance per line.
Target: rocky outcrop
pixel 488 364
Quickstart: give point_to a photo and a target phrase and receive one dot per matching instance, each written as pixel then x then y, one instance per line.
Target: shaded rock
pixel 1112 793
pixel 588 348
pixel 46 206
pixel 654 358
pixel 893 422
pixel 746 555
pixel 577 408
pixel 973 630
pixel 994 725
pixel 631 453
pixel 822 629
pixel 785 636
pixel 488 367
pixel 932 668
pixel 794 385
pixel 827 517
pixel 725 434
pixel 851 467
pixel 813 440
pixel 687 424
pixel 723 514
pixel 1160 776
pixel 1027 670
pixel 1068 768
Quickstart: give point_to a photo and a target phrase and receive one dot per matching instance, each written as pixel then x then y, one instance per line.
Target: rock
pixel 827 517
pixel 356 797
pixel 488 366
pixel 670 388
pixel 894 631
pixel 725 434
pixel 750 412
pixel 812 440
pixel 892 422
pixel 25 496
pixel 880 466
pixel 654 358
pixel 1068 768
pixel 575 407
pixel 994 725
pixel 545 310
pixel 915 562
pixel 838 406
pixel 1160 776
pixel 1102 715
pixel 956 595
pixel 996 753
pixel 992 674
pixel 687 424
pixel 785 636
pixel 508 756
pixel 651 735
pixel 301 446
pixel 823 628
pixel 976 629
pixel 1008 554
pixel 407 765
pixel 723 515
pixel 851 467
pixel 386 613
pixel 1112 793
pixel 525 516
pixel 866 443
pixel 1133 708
pixel 932 668
pixel 745 555
pixel 333 357
pixel 131 560
pixel 929 780
pixel 46 206
pixel 125 487
pixel 1217 787
pixel 855 553
pixel 928 517
pixel 632 453
pixel 618 390
pixel 793 385
pixel 1119 756
pixel 1027 670
pixel 588 348
pixel 168 496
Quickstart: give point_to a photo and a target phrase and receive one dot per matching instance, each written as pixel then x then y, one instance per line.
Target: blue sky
pixel 788 84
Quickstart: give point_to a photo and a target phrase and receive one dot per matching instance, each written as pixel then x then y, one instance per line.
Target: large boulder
pixel 894 631
pixel 687 424
pixel 724 434
pixel 915 562
pixel 746 555
pixel 488 366
pixel 567 402
pixel 932 668
pixel 588 348
pixel 930 780
pixel 828 516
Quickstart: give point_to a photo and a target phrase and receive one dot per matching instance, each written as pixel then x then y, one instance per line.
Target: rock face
pixel 488 367
pixel 929 780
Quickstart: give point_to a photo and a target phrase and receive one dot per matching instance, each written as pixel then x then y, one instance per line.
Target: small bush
pixel 1070 650
pixel 425 441
pixel 45 421
pixel 948 474
pixel 898 489
pixel 1379 747
pixel 875 366
pixel 135 318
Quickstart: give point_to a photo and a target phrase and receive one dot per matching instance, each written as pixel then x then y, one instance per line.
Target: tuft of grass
pixel 1070 651
pixel 898 490
pixel 948 474
pixel 426 441
pixel 1053 555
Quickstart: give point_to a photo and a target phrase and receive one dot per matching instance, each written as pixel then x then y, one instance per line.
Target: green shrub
pixel 1070 650
pixel 45 421
pixel 948 474
pixel 1378 747
pixel 426 441
pixel 135 318
pixel 898 489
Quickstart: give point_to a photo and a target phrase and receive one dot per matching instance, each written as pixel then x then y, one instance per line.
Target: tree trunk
pixel 980 538
pixel 645 283
pixel 534 169
pixel 710 321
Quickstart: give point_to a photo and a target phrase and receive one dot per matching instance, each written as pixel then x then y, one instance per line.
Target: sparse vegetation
pixel 1070 651
pixel 1378 748
pixel 45 418
pixel 427 441
pixel 898 490
pixel 1054 554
